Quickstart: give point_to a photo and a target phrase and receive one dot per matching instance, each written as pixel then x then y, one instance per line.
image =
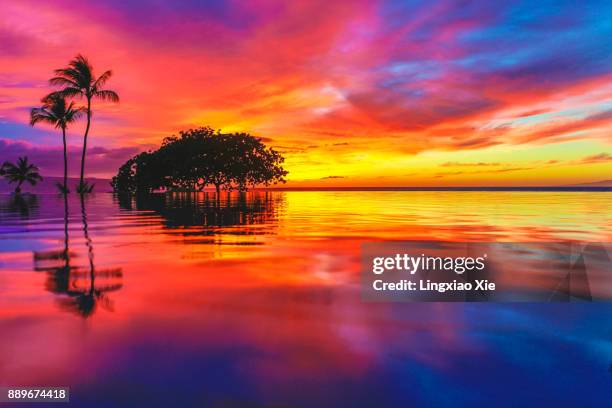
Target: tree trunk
pixel 66 248
pixel 218 197
pixel 82 181
pixel 90 253
pixel 18 188
pixel 65 161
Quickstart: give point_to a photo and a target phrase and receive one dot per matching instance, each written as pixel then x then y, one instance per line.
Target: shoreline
pixel 371 189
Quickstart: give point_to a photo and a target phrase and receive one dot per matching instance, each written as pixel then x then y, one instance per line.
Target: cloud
pixel 101 161
pixel 392 77
pixel 533 112
pixel 490 171
pixel 468 164
pixel 597 158
pixel 565 128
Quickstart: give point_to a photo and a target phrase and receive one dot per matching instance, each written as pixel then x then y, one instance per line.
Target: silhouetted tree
pixel 78 80
pixel 20 173
pixel 256 164
pixel 200 157
pixel 57 112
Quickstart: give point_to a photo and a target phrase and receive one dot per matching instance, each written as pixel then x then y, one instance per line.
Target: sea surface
pixel 253 300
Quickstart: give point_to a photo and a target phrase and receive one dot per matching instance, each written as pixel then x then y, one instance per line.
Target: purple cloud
pixel 101 161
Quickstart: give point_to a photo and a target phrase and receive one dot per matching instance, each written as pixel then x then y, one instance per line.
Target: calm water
pixel 254 301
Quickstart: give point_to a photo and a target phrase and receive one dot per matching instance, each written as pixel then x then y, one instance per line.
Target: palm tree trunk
pixel 18 188
pixel 88 243
pixel 65 161
pixel 81 182
pixel 66 247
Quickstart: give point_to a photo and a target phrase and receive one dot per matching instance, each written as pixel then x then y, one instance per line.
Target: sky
pixel 353 93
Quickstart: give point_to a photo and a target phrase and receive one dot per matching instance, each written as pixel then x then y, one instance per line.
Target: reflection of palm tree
pixel 20 204
pixel 78 80
pixel 65 279
pixel 84 301
pixel 59 276
pixel 58 113
pixel 20 173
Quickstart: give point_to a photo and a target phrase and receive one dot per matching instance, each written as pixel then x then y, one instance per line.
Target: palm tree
pixel 78 80
pixel 57 112
pixel 20 173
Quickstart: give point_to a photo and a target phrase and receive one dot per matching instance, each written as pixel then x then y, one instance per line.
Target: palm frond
pixel 34 179
pixel 72 73
pixel 50 97
pixel 42 115
pixel 78 74
pixel 81 65
pixel 107 95
pixel 82 62
pixel 99 83
pixel 71 92
pixel 84 188
pixel 55 111
pixel 73 113
pixel 8 166
pixel 62 188
pixel 64 80
pixel 32 167
pixel 12 178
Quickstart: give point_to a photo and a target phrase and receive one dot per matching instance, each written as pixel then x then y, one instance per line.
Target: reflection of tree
pixel 82 289
pixel 208 209
pixel 58 280
pixel 24 205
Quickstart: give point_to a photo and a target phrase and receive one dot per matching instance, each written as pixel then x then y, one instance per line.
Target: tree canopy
pixel 202 157
pixel 21 172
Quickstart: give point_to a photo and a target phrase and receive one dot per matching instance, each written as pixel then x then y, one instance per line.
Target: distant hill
pixel 603 183
pixel 48 185
pixel 103 186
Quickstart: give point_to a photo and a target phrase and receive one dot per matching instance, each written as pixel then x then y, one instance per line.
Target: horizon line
pixel 373 189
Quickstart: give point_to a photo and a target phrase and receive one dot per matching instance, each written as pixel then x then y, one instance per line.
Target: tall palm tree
pixel 78 80
pixel 57 112
pixel 20 173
